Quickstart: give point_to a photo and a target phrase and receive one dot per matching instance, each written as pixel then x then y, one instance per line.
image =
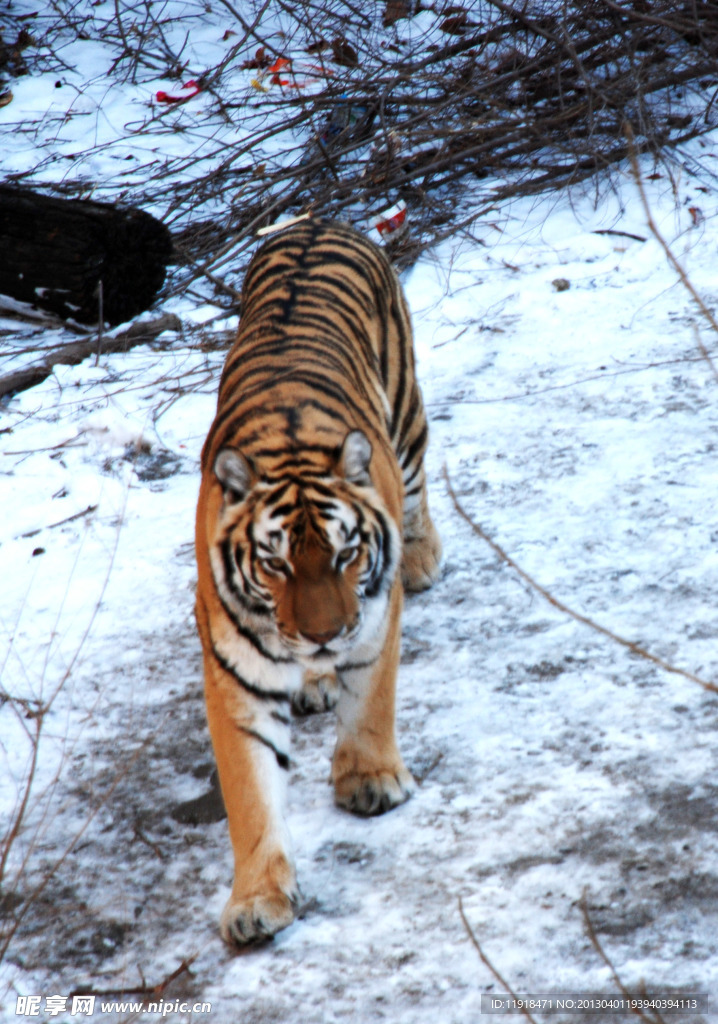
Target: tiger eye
pixel 345 556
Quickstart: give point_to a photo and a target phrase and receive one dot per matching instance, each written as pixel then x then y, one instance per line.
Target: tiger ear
pixel 355 457
pixel 234 473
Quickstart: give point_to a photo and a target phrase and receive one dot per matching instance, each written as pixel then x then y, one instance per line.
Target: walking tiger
pixel 312 513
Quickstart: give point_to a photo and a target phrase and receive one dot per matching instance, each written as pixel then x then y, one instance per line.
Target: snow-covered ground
pixel 578 427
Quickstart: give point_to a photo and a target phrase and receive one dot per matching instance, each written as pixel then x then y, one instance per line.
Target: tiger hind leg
pixel 421 557
pixel 319 692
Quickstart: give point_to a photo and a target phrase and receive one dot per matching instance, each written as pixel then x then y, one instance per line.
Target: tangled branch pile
pixel 344 108
pixel 529 100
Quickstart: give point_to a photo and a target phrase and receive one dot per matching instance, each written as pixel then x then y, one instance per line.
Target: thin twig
pixel 621 234
pixel 485 960
pixel 41 713
pixel 139 990
pixel 61 522
pixel 633 647
pixel 675 263
pixel 591 931
pixel 100 319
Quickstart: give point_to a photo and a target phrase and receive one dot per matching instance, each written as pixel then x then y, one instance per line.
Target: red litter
pixel 279 65
pixel 188 90
pixel 312 73
pixel 391 220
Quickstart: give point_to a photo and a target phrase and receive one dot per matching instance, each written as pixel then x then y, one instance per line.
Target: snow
pixel 578 428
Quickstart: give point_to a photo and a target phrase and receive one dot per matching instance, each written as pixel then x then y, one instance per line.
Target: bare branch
pixel 656 1018
pixel 633 647
pixel 672 259
pixel 485 960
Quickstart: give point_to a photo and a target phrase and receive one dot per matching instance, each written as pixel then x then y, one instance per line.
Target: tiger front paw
pixel 421 560
pixel 371 793
pixel 257 918
pixel 318 692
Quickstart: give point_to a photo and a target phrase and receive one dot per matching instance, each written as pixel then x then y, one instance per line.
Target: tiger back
pixel 312 513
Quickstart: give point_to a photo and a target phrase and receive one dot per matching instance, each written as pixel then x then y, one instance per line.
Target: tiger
pixel 312 519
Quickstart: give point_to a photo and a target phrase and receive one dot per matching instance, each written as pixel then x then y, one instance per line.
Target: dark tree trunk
pixel 70 255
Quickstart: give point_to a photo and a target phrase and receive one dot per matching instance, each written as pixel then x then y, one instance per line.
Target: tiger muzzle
pixel 321 638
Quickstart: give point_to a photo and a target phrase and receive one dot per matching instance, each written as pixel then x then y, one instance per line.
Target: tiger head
pixel 304 553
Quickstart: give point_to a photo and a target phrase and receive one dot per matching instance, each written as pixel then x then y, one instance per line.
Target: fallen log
pixel 77 351
pixel 78 258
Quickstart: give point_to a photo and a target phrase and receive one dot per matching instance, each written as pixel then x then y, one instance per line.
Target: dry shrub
pixel 447 108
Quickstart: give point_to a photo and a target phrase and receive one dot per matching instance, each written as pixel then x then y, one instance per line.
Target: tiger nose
pixel 321 638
